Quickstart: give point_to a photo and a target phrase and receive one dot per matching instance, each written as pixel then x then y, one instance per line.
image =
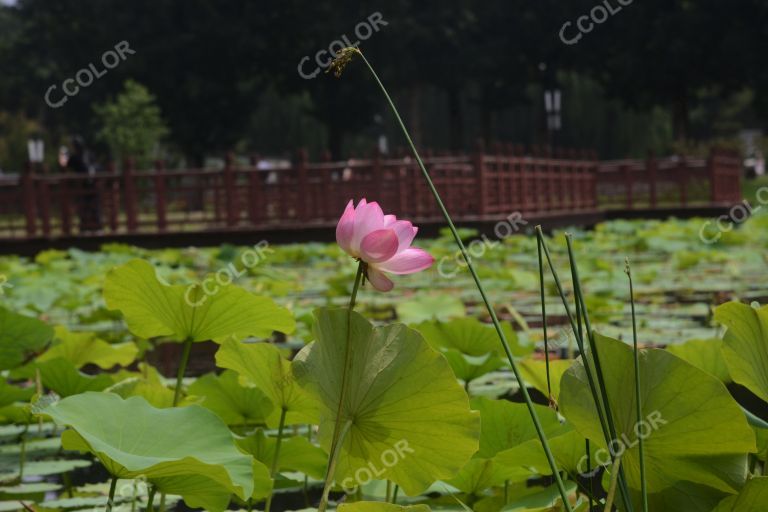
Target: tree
pixel 131 124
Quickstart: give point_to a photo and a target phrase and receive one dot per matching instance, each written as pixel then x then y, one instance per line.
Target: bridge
pixel 240 201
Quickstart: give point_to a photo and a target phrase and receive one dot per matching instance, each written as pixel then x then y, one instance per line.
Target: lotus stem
pixel 332 468
pixel 151 499
pixel 110 499
pixel 338 433
pixel 388 494
pixel 182 370
pixel 475 277
pixel 543 323
pixel 615 467
pixel 624 489
pixel 276 458
pixel 394 495
pixel 638 405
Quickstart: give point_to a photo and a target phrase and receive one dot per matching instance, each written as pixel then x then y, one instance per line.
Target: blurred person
pixel 78 161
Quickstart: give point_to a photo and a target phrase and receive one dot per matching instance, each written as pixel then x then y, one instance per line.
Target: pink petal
pixel 346 227
pixel 389 220
pixel 405 234
pixel 379 281
pixel 368 218
pixel 379 246
pixel 407 262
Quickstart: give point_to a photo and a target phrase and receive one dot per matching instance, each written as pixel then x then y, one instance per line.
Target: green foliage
pixel 187 451
pixel 131 124
pixel 398 388
pixel 745 345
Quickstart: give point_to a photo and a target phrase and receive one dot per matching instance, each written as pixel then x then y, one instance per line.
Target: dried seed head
pixel 343 57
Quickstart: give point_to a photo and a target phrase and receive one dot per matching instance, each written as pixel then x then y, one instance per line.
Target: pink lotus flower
pixel 381 241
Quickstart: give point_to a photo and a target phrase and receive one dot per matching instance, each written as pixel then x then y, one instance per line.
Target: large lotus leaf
pixel 534 373
pixel 752 498
pixel 745 345
pixel 682 496
pixel 704 354
pixel 200 491
pixel 81 348
pixel 402 404
pixel 132 438
pixel 21 337
pixel 152 308
pixel 61 376
pixel 375 506
pixel 507 424
pixel 296 453
pixel 677 400
pixel 568 448
pixel 430 307
pixel 262 365
pixel 147 383
pixel 546 499
pixel 235 404
pixel 10 394
pixel 470 336
pixel 480 474
pixel 468 368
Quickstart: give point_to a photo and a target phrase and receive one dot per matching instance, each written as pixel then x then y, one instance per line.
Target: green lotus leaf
pixel 261 365
pixel 534 373
pixel 745 345
pixel 683 496
pixel 21 337
pixel 10 394
pixel 568 448
pixel 375 506
pixel 543 500
pixel 704 354
pixel 61 376
pixel 131 439
pixel 152 308
pixel 429 307
pixel 146 383
pixel 471 347
pixel 507 424
pixel 402 404
pixel 81 348
pixel 235 404
pixel 752 498
pixel 296 453
pixel 478 475
pixel 677 399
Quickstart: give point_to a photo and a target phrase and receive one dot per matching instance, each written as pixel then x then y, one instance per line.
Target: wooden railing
pixel 480 186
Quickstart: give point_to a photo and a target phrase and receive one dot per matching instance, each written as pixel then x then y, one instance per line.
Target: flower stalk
pixel 344 57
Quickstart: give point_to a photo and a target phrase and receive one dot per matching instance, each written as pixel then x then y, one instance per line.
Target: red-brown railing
pixel 480 186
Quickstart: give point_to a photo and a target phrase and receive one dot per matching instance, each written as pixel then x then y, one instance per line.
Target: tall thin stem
pixel 638 404
pixel 615 467
pixel 544 319
pixel 182 370
pixel 111 498
pixel 478 283
pixel 332 467
pixel 276 457
pixel 338 434
pixel 151 499
pixel 579 295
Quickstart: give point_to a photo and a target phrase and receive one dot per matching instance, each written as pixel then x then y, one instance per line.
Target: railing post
pixel 254 190
pixel 682 168
pixel 129 196
pixel 650 168
pixel 626 173
pixel 45 208
pixel 301 184
pixel 114 197
pixel 28 190
pixel 478 162
pixel 230 193
pixel 713 179
pixel 160 195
